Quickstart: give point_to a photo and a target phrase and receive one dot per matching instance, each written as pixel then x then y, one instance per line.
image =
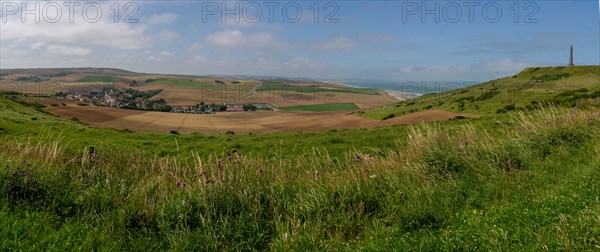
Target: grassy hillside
pixel 525 91
pixel 105 79
pixel 526 183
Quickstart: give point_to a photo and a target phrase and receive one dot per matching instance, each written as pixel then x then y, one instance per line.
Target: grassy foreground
pixel 529 185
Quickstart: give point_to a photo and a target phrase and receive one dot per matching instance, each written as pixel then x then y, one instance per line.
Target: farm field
pixel 322 107
pixel 238 122
pixel 181 90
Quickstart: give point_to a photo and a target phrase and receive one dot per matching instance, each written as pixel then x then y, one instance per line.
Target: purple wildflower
pixel 344 165
pixel 178 183
pixel 46 186
pixel 260 171
pixel 210 181
pixel 357 158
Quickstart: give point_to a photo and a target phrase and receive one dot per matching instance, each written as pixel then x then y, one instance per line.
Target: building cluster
pixel 128 99
pixel 203 108
pixel 140 100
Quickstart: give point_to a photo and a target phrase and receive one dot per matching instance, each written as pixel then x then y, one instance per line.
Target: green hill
pixel 525 91
pixel 526 183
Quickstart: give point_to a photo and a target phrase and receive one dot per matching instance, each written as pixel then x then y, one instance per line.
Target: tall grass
pixel 532 186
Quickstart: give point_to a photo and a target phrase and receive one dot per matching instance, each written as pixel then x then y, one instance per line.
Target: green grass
pixel 520 180
pixel 525 91
pixel 322 107
pixel 268 86
pixel 106 79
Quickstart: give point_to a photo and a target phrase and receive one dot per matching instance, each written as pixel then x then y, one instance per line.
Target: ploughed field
pixel 238 122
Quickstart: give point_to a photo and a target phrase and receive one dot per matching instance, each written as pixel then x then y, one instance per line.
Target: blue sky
pixel 387 40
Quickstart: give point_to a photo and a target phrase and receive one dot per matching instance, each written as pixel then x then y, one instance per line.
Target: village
pixel 140 100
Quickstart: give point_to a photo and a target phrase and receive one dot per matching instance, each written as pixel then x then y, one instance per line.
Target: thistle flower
pixel 260 171
pixel 357 158
pixel 178 183
pixel 344 165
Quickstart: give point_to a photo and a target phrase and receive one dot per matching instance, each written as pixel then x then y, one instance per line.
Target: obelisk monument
pixel 571 58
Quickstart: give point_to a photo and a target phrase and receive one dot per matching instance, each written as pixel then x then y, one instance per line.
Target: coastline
pixel 398 95
pixel 401 96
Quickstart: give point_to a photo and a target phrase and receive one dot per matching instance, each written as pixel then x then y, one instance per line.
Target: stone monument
pixel 571 58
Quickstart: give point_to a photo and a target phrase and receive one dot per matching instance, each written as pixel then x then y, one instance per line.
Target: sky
pixel 380 40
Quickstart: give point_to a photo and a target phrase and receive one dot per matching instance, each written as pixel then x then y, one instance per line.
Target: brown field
pixel 279 98
pixel 240 122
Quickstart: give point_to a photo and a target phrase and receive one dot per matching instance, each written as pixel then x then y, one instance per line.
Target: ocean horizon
pixel 413 87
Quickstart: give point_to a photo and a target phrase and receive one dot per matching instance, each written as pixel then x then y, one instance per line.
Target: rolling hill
pixel 526 90
pixel 520 179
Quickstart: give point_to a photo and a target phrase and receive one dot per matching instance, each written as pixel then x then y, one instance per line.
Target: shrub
pixel 466 98
pixel 488 95
pixel 390 116
pixel 506 108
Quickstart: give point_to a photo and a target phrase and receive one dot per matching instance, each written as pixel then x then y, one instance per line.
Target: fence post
pixel 92 154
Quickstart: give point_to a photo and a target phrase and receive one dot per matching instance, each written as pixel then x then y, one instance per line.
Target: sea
pixel 412 87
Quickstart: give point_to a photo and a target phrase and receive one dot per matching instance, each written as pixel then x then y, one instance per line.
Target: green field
pixel 517 180
pixel 106 79
pixel 286 87
pixel 322 107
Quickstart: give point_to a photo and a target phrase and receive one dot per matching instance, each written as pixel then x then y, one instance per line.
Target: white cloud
pixel 37 45
pixel 378 37
pixel 105 32
pixel 199 59
pixel 68 50
pixel 339 43
pixel 235 39
pixel 196 47
pixel 167 36
pixel 299 62
pixel 165 54
pixel 165 18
